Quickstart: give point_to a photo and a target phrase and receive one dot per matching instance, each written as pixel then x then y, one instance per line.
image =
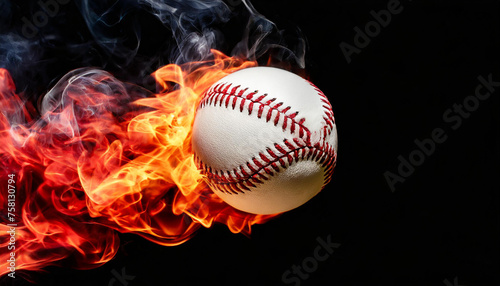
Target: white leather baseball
pixel 265 139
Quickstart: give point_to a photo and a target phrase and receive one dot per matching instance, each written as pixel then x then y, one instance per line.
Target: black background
pixel 440 226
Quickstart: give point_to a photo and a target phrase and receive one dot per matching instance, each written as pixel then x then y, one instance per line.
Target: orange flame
pixel 86 170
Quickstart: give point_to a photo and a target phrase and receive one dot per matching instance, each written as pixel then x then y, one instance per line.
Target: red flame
pixel 96 163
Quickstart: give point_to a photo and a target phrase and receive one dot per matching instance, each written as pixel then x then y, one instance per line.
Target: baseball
pixel 265 140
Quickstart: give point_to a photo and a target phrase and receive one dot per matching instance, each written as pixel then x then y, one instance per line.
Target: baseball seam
pixel 221 95
pixel 266 164
pixel 328 116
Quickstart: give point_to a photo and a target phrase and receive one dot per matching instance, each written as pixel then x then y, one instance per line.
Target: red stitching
pixel 240 180
pixel 219 95
pixel 327 110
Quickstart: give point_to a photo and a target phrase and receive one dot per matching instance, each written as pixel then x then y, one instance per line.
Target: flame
pixel 100 160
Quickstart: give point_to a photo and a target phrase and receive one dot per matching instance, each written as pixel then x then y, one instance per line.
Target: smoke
pixel 83 95
pixel 193 25
pixel 196 27
pixel 262 36
pixel 114 28
pixel 18 55
pixel 40 41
